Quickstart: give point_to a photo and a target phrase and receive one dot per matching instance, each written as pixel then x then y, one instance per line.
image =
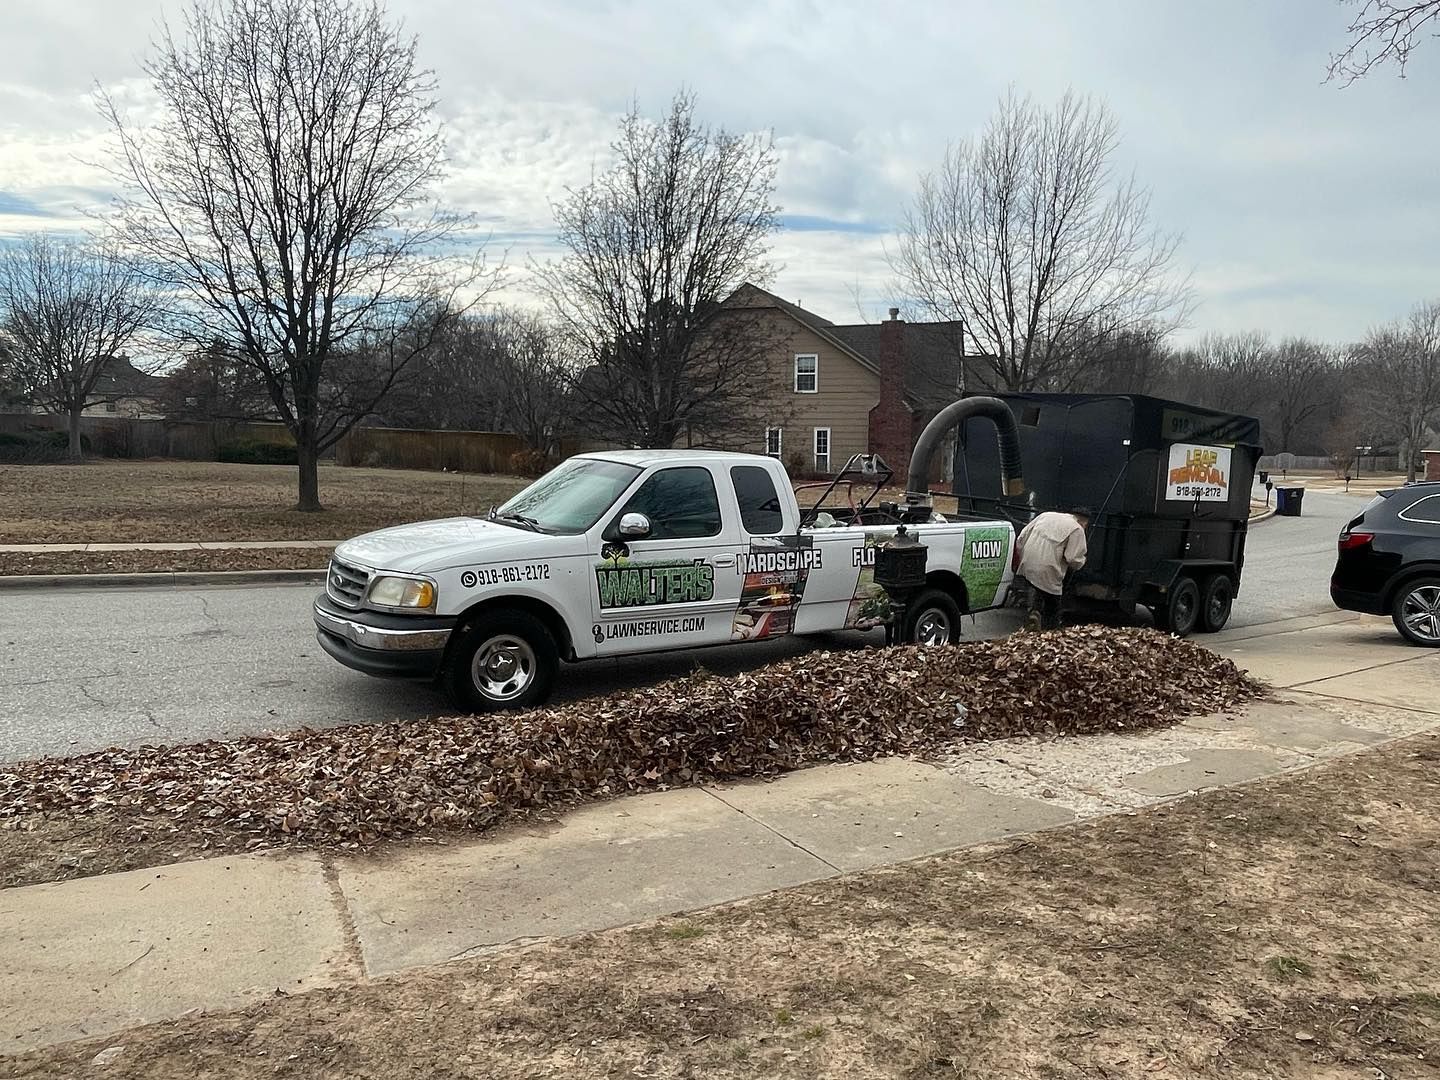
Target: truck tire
pixel 504 659
pixel 933 618
pixel 1181 610
pixel 1415 613
pixel 1217 597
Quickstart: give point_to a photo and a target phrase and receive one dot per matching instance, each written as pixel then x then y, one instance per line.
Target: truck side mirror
pixel 634 526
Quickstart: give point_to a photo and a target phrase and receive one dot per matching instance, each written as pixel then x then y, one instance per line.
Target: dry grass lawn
pixel 1282 929
pixel 117 502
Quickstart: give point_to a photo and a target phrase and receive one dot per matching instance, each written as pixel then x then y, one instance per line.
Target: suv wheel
pixel 1416 611
pixel 502 660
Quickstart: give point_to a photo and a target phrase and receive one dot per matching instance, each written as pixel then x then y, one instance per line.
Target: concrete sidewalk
pixel 103 954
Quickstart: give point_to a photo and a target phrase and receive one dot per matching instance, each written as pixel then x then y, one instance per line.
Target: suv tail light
pixel 1351 541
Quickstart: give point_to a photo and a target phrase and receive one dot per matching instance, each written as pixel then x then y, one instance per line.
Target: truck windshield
pixel 570 497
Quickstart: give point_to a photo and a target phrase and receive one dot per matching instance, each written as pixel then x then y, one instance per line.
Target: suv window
pixel 760 511
pixel 1425 510
pixel 679 502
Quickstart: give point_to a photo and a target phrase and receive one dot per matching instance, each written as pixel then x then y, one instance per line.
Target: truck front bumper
pixel 410 646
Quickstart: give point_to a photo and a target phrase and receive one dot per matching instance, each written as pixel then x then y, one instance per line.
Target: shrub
pixel 797 465
pixel 38 447
pixel 257 452
pixel 529 463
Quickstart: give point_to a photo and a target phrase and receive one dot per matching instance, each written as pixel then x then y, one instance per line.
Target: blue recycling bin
pixel 1288 501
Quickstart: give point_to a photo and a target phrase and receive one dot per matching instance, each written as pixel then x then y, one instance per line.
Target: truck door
pixel 776 566
pixel 676 587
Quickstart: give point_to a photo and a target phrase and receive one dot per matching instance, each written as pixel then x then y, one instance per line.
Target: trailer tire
pixel 1217 597
pixel 1181 610
pixel 933 618
pixel 504 659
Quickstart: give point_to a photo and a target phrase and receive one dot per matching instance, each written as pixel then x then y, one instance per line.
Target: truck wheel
pixel 933 618
pixel 1216 600
pixel 503 660
pixel 1182 609
pixel 1416 612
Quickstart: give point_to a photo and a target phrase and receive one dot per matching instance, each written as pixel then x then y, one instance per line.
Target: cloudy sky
pixel 1305 208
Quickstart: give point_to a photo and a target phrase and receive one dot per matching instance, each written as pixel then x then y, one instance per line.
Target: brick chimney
pixel 1432 464
pixel 891 434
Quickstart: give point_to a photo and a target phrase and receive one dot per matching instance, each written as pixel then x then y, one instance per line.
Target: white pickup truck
pixel 626 552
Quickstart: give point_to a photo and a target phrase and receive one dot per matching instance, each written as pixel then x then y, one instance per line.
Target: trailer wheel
pixel 1182 608
pixel 932 619
pixel 1216 600
pixel 505 659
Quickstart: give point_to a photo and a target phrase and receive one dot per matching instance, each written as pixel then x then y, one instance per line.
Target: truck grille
pixel 346 584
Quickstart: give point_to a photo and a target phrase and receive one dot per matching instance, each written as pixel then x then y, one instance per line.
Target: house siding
pixel 846 392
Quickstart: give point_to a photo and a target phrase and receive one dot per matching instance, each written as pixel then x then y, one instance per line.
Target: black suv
pixel 1389 561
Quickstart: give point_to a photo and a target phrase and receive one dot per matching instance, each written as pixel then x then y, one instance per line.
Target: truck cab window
pixel 679 502
pixel 760 511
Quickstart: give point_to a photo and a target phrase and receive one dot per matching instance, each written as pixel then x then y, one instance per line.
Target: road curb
pixel 167 579
pixel 1266 516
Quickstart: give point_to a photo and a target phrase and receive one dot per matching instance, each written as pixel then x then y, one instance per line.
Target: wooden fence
pixel 415 448
pixel 124 437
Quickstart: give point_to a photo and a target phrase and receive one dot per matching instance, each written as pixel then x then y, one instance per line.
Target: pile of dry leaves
pixel 356 785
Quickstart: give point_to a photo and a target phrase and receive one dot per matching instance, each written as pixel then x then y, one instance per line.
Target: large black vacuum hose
pixel 1011 473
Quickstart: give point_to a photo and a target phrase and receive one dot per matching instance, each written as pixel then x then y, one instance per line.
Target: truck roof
pixel 645 458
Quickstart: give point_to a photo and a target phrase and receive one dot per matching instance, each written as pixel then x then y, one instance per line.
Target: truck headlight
pixel 409 593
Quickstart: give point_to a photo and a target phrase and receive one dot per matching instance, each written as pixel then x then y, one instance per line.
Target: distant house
pixel 124 390
pixel 842 389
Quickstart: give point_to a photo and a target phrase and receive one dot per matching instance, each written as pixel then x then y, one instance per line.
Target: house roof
pixel 122 379
pixel 933 349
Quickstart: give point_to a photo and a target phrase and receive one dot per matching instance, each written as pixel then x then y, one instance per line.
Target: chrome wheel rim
pixel 1420 612
pixel 932 628
pixel 503 667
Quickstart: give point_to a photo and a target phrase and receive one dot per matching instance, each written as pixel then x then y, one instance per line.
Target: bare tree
pixel 68 310
pixel 1383 32
pixel 501 371
pixel 1400 366
pixel 282 198
pixel 1299 383
pixel 655 244
pixel 1028 237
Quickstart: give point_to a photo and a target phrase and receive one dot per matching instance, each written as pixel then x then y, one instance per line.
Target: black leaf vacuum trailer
pixel 1168 486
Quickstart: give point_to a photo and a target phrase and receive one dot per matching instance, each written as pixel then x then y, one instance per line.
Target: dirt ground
pixel 1281 929
pixel 119 502
pixel 150 562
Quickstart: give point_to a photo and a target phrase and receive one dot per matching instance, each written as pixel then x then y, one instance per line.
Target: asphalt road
pixel 84 669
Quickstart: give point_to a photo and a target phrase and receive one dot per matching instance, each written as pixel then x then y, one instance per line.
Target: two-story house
pixel 840 389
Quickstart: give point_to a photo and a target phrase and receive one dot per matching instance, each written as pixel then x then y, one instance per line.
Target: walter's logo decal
pixel 639 584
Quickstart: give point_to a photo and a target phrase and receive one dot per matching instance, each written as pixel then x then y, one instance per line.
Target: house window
pixel 822 449
pixel 772 441
pixel 807 373
pixel 110 406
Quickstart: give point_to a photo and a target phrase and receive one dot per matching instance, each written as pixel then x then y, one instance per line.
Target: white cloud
pixel 1305 209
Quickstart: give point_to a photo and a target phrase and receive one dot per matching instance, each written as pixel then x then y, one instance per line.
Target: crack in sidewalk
pixel 793 843
pixel 353 954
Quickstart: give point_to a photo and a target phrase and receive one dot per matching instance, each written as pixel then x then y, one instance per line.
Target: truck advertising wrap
pixel 984 558
pixel 622 583
pixel 870 603
pixel 774 569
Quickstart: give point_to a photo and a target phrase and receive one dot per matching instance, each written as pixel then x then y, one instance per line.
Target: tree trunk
pixel 308 458
pixel 77 450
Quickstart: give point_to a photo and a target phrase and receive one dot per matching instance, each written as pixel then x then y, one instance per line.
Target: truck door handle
pixel 724 560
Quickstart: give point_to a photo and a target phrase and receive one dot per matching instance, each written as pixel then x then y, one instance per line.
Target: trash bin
pixel 1288 500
